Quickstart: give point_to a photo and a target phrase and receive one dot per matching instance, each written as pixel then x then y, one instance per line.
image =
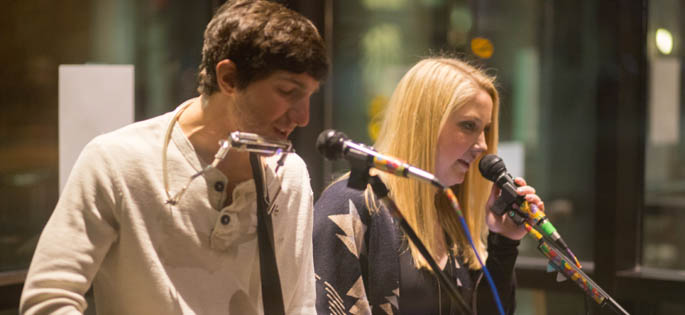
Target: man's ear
pixel 227 76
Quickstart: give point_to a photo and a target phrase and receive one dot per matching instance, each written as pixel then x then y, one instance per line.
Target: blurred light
pixel 482 47
pixel 460 18
pixel 382 44
pixel 26 179
pixel 385 4
pixel 664 41
pixel 375 110
pixel 432 3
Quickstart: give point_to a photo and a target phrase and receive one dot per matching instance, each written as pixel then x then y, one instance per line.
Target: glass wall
pixel 546 56
pixel 664 246
pixel 591 104
pixel 546 85
pixel 549 57
pixel 162 39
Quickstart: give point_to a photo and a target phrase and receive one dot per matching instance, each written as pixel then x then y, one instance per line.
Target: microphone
pixel 492 168
pixel 250 142
pixel 255 143
pixel 241 141
pixel 335 145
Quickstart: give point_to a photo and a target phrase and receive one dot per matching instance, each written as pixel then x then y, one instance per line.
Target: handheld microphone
pixel 335 144
pixel 492 168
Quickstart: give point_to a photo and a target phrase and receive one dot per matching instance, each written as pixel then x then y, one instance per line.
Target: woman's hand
pixel 503 225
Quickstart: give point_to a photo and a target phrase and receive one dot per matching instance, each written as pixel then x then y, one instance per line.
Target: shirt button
pixel 225 219
pixel 219 186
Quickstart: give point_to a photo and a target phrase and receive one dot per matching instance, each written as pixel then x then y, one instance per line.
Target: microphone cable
pixel 455 205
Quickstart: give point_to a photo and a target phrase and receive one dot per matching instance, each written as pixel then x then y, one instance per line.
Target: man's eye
pixel 287 91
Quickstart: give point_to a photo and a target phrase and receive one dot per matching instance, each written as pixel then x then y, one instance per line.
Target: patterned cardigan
pixel 359 261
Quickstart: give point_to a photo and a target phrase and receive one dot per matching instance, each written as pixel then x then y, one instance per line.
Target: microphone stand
pixel 359 177
pixel 568 268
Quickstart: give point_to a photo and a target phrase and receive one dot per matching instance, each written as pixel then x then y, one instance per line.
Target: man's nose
pixel 299 113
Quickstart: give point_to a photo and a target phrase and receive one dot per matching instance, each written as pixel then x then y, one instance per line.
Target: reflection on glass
pixel 162 39
pixel 664 244
pixel 546 93
pixel 539 302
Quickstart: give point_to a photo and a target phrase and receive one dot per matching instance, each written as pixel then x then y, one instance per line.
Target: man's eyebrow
pixel 296 82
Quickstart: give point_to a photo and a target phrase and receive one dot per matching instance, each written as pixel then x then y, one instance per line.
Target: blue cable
pixel 495 295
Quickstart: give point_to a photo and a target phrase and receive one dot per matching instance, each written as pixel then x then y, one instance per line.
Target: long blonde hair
pixel 419 107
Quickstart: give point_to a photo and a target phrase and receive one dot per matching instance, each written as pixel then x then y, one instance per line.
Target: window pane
pixel 540 302
pixel 147 34
pixel 664 218
pixel 546 72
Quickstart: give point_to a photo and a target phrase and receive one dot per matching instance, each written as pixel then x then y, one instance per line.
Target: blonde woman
pixel 442 118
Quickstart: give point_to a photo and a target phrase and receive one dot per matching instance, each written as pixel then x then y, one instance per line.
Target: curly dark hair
pixel 260 37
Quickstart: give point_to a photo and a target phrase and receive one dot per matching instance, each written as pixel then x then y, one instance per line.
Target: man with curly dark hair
pixel 122 225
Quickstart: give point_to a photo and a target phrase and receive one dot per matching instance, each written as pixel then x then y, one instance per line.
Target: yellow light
pixel 664 41
pixel 482 47
pixel 385 4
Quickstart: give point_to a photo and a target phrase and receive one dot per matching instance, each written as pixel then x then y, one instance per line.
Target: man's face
pixel 272 107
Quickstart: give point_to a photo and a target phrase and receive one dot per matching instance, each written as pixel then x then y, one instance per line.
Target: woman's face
pixel 461 139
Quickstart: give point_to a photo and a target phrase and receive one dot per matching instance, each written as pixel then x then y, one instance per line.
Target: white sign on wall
pixel 93 99
pixel 664 101
pixel 514 156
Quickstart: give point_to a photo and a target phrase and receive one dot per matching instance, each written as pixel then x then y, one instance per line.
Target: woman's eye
pixel 468 125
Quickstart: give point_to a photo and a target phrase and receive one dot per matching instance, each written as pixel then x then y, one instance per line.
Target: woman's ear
pixel 226 76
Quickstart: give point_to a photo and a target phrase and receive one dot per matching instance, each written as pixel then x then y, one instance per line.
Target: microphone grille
pixel 491 166
pixel 330 144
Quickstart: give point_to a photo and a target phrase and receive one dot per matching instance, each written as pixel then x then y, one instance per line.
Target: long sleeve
pixel 75 240
pixel 338 249
pixel 502 253
pixel 114 230
pixel 355 255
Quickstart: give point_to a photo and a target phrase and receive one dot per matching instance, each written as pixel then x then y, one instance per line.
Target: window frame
pixel 620 151
pixel 620 122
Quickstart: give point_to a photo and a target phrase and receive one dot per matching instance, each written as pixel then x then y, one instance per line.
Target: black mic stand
pixel 359 178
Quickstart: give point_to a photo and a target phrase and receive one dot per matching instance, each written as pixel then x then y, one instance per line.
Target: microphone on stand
pixel 241 141
pixel 335 145
pixel 255 143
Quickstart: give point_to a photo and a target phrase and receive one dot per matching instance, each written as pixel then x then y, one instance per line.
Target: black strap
pixel 272 296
